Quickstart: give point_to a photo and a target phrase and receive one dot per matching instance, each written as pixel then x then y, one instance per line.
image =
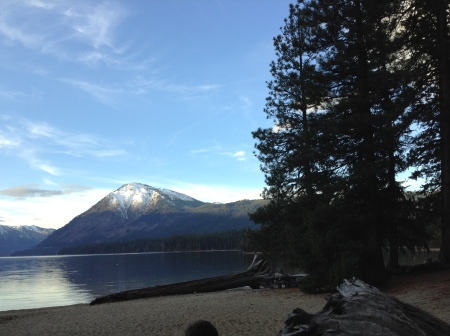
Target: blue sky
pixel 95 94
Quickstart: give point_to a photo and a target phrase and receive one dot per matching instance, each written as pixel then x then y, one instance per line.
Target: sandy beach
pixel 234 312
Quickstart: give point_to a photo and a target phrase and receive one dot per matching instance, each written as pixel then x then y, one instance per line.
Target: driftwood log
pixel 360 309
pixel 252 277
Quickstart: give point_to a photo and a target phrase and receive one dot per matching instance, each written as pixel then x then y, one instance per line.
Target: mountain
pixel 137 210
pixel 15 238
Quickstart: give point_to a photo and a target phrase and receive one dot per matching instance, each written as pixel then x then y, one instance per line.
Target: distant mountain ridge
pixel 16 238
pixel 137 210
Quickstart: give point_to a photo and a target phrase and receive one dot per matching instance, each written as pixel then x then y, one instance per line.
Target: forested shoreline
pixel 229 240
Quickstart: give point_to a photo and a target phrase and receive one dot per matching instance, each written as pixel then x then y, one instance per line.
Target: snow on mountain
pixel 137 211
pixel 22 229
pixel 177 195
pixel 135 198
pixel 14 238
pixel 32 228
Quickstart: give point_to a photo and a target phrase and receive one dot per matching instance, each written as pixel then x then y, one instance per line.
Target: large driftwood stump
pixel 360 309
pixel 252 277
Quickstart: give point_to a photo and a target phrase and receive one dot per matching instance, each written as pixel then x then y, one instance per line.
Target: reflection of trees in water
pixel 106 274
pixel 412 259
pixel 32 282
pixel 37 282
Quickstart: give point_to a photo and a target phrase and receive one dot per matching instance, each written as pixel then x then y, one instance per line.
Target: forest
pixel 359 97
pixel 229 240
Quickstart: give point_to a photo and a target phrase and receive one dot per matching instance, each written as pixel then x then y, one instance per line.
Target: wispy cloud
pixel 10 95
pixel 35 190
pixel 85 32
pixel 95 23
pixel 38 143
pixel 91 25
pixel 199 151
pixel 8 142
pixel 218 150
pixel 40 129
pixel 239 155
pixel 72 144
pixel 185 90
pixel 104 93
pixel 22 192
pixel 108 93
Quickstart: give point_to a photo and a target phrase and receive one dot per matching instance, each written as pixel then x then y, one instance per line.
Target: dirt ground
pixel 430 291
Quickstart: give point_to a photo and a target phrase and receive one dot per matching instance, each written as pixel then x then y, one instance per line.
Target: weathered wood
pixel 281 280
pixel 360 309
pixel 251 277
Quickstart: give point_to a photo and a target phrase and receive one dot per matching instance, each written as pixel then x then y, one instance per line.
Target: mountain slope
pixel 15 238
pixel 140 211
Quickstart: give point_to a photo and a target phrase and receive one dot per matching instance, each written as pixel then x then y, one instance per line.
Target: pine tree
pixel 348 84
pixel 353 62
pixel 290 152
pixel 426 26
pixel 337 99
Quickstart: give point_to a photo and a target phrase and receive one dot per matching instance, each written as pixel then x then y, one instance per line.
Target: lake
pixel 47 281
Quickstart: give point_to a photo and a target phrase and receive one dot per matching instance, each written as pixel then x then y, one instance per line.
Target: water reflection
pixel 32 282
pixel 37 282
pixel 408 258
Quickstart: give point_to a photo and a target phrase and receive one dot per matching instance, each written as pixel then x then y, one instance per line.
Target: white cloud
pixel 41 4
pixel 50 212
pixel 107 94
pixel 216 193
pixel 95 23
pixel 218 150
pixel 8 142
pixel 199 151
pixel 30 155
pixel 90 24
pixel 39 129
pixel 52 170
pixel 35 190
pixel 103 93
pixel 39 144
pixel 8 94
pixel 16 35
pixel 240 155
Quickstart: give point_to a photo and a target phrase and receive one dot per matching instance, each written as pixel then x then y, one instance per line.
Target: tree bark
pixel 373 269
pixel 360 309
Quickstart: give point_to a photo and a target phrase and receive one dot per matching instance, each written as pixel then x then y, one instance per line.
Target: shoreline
pixel 233 312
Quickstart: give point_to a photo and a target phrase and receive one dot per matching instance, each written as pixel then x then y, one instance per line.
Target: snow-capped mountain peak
pixel 135 198
pixel 15 238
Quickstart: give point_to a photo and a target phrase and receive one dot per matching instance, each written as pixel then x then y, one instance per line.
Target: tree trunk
pixel 373 269
pixel 360 309
pixel 393 247
pixel 252 277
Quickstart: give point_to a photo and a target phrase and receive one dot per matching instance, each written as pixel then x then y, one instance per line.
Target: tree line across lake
pixel 229 240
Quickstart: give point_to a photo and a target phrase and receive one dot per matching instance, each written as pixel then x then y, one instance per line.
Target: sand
pixel 234 312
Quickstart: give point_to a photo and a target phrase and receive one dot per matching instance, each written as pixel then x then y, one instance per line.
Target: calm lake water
pixel 34 282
